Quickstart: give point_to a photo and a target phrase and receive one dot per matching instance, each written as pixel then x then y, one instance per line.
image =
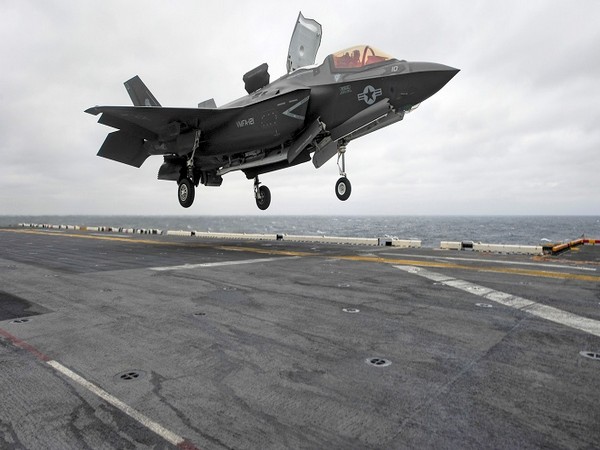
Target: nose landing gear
pixel 343 188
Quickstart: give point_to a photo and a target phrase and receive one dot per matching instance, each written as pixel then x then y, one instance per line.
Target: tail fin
pixel 138 92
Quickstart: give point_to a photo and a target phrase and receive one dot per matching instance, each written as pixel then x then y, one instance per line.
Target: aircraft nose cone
pixel 431 67
pixel 430 77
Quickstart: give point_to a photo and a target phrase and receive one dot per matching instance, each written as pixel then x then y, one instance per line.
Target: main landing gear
pixel 262 194
pixel 186 190
pixel 343 188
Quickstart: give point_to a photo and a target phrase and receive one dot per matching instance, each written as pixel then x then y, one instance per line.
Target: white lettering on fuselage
pixel 245 122
pixel 345 89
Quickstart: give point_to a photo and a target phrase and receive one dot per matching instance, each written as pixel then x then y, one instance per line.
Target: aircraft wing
pixel 139 123
pixel 149 122
pixel 144 129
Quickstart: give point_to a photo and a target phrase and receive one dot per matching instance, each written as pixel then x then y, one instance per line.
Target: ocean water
pixel 524 230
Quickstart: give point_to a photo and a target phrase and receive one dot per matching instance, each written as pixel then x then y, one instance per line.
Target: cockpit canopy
pixel 358 57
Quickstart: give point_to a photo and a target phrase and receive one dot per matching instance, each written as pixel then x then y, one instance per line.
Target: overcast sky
pixel 517 131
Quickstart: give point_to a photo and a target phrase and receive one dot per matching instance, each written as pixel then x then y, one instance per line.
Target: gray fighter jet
pixel 312 112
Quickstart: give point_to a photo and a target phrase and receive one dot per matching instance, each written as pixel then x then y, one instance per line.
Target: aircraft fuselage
pixel 279 111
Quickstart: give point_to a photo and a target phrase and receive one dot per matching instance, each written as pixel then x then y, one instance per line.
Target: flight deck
pixel 114 340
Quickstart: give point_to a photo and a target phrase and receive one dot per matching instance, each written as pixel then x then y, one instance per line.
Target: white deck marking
pixel 168 435
pixel 495 261
pixel 556 315
pixel 224 263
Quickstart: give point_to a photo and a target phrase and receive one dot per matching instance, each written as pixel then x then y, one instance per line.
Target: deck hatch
pixel 130 375
pixel 378 362
pixel 19 321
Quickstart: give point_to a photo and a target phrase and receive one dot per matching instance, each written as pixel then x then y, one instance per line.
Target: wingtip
pixel 94 111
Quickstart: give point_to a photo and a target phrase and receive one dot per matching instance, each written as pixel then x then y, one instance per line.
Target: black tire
pixel 264 198
pixel 186 192
pixel 343 188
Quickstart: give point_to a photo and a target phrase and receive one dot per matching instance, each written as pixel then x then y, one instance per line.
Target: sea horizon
pixel 430 229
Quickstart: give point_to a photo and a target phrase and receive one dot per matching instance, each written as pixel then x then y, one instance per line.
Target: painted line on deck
pixel 409 262
pixel 151 425
pixel 155 427
pixel 24 345
pixel 224 263
pixel 497 261
pixel 357 258
pixel 450 265
pixel 550 313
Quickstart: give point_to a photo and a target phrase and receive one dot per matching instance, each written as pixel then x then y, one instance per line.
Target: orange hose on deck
pixel 560 247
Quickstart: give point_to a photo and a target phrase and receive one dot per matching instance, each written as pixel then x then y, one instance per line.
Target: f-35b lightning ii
pixel 312 112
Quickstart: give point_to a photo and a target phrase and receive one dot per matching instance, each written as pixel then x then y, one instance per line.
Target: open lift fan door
pixel 304 44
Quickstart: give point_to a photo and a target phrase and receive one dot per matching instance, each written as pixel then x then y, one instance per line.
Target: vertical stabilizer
pixel 138 92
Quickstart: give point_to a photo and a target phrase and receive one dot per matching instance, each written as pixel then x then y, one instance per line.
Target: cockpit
pixel 357 57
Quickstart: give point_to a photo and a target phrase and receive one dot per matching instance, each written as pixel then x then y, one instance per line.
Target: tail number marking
pixel 245 122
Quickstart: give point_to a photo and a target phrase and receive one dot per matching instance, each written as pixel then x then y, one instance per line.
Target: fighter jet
pixel 311 113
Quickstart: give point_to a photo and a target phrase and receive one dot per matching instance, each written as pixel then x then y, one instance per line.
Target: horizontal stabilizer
pixel 138 92
pixel 124 148
pixel 128 127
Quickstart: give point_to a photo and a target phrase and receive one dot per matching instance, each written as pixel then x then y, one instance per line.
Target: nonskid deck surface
pixel 111 340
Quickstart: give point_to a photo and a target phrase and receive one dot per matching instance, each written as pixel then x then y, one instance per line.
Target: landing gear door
pixel 304 44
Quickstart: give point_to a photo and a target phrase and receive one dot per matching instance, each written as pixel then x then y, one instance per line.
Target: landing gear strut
pixel 343 188
pixel 262 195
pixel 186 187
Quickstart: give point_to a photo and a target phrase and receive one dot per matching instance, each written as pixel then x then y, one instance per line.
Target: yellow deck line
pixel 356 258
pixel 110 238
pixel 509 270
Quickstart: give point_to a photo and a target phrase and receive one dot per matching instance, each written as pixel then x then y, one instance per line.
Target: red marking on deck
pixel 24 345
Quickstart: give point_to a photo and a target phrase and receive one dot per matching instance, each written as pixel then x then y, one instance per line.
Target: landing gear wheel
pixel 263 198
pixel 186 192
pixel 343 188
